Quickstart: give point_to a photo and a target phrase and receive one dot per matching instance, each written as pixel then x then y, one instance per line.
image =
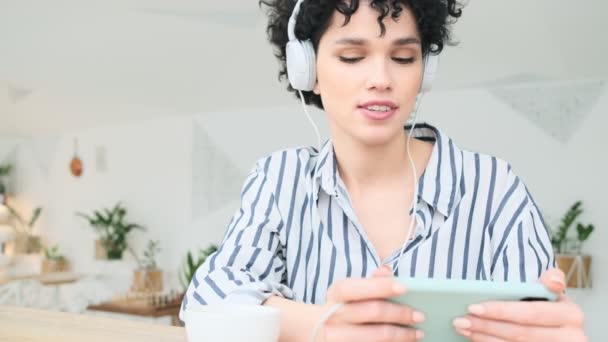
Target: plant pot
pixel 577 269
pixel 102 253
pixel 114 254
pixel 54 265
pixel 145 280
pixel 27 244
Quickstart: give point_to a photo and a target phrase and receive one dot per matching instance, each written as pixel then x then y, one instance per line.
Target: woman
pixel 317 228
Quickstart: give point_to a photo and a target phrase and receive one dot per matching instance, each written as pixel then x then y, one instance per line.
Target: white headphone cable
pixel 312 122
pixel 415 198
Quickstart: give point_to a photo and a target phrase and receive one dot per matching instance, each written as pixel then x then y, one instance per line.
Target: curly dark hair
pixel 433 18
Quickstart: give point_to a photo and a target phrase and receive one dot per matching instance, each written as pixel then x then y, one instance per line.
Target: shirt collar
pixel 437 185
pixel 327 169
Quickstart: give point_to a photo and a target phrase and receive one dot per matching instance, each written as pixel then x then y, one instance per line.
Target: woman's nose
pixel 379 77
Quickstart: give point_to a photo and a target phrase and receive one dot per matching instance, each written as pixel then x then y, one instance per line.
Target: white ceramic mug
pixel 232 323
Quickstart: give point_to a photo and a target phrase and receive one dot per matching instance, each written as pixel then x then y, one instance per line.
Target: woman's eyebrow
pixel 351 41
pixel 406 41
pixel 362 42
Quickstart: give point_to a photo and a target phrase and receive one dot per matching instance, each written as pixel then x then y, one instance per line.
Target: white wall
pixel 150 169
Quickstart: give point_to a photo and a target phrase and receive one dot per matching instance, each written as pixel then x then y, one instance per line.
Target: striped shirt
pixel 296 232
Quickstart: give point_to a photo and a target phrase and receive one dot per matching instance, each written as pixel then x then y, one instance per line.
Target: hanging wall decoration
pixel 216 179
pixel 556 107
pixel 76 167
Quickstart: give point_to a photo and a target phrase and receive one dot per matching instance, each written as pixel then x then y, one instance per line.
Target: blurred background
pixel 127 128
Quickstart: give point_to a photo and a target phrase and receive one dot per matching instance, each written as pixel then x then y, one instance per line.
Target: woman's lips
pixel 378 105
pixel 377 115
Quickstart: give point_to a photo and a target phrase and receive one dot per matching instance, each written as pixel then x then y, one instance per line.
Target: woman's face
pixel 368 83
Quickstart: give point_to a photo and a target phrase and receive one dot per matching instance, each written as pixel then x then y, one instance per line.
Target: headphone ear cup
pixel 431 64
pixel 301 65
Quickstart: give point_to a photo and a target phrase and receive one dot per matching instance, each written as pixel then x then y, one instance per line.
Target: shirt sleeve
pixel 249 265
pixel 521 243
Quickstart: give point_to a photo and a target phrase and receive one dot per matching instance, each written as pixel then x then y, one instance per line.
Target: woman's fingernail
pixel 419 334
pixel 557 280
pixel 398 288
pixel 418 317
pixel 477 309
pixel 461 323
pixel 464 332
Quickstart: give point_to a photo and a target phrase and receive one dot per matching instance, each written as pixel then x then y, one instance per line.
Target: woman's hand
pixel 366 315
pixel 526 321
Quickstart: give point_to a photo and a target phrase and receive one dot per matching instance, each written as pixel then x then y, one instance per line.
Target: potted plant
pixel 26 241
pixel 112 229
pixel 568 248
pixel 148 277
pixel 191 265
pixel 53 260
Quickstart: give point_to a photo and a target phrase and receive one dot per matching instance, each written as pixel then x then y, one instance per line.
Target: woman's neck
pixel 362 166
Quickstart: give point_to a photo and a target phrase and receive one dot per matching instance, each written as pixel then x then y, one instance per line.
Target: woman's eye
pixel 350 60
pixel 404 60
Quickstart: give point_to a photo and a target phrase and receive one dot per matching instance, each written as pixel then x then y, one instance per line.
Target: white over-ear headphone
pixel 301 62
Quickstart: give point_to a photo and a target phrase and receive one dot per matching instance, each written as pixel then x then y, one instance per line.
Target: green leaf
pixel 584 231
pixel 85 216
pixel 190 261
pixel 35 216
pixel 5 170
pixel 183 278
pixel 566 222
pixel 15 214
pixel 130 227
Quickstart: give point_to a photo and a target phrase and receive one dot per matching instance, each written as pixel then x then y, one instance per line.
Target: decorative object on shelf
pixel 76 166
pixel 26 241
pixel 148 277
pixel 190 265
pixel 569 256
pixel 54 261
pixel 112 230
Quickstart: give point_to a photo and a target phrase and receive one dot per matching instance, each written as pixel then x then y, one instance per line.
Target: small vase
pixel 577 269
pixel 54 265
pixel 147 280
pixel 28 244
pixel 100 251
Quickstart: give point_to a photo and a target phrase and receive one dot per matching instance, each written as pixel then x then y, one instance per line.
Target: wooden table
pixel 28 325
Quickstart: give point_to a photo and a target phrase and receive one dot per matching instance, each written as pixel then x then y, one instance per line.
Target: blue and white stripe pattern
pixel 296 231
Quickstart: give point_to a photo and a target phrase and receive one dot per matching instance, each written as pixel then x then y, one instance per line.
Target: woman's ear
pixel 316 89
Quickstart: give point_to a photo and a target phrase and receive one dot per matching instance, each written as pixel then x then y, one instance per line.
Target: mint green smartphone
pixel 443 300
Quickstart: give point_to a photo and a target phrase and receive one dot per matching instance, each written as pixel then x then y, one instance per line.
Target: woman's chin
pixel 379 136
